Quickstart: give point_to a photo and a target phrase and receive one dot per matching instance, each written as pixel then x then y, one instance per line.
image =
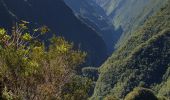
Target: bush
pixel 141 94
pixel 29 70
pixel 80 88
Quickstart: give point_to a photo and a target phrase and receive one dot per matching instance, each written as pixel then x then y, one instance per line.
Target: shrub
pixel 29 70
pixel 80 88
pixel 141 94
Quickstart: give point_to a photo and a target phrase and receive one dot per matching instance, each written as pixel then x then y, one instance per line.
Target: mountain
pixel 60 19
pixel 102 3
pixel 129 14
pixel 142 61
pixel 92 14
pixel 142 55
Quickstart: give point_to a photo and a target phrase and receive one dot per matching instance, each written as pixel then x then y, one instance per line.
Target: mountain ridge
pixel 129 14
pixel 141 61
pixel 92 14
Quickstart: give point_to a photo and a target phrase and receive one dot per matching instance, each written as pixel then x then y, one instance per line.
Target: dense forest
pixel 84 50
pixel 143 61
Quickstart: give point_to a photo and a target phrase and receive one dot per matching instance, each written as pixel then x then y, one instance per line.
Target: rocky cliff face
pixel 60 19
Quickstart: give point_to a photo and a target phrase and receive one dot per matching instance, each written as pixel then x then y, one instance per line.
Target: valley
pixel 85 49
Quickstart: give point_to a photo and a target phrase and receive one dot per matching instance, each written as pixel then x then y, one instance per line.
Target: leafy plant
pixel 29 69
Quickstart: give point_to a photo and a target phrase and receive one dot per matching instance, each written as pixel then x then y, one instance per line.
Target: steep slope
pixel 142 61
pixel 129 14
pixel 92 14
pixel 60 19
pixel 163 89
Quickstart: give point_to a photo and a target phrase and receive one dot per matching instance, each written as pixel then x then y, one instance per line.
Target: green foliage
pixel 142 61
pixel 110 97
pixel 61 47
pixel 162 98
pixel 26 37
pixel 43 30
pixel 7 95
pixel 90 72
pixel 130 15
pixel 32 71
pixel 164 88
pixel 2 32
pixel 80 88
pixel 141 94
pixel 20 36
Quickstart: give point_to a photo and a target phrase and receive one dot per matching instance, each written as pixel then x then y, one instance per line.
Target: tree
pixel 32 71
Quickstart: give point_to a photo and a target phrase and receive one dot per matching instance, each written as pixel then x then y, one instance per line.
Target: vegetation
pixel 130 15
pixel 80 88
pixel 90 72
pixel 32 71
pixel 110 97
pixel 143 61
pixel 141 94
